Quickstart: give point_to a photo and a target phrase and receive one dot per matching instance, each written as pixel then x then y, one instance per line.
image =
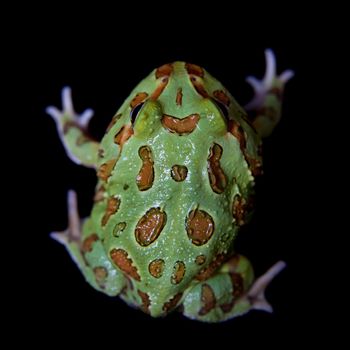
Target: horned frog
pixel 176 170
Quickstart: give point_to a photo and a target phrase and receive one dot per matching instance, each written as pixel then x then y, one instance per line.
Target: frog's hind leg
pixel 86 249
pixel 265 107
pixel 72 129
pixel 230 292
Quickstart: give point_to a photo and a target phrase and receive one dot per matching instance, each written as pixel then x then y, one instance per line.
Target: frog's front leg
pixel 265 107
pixel 230 292
pixel 72 129
pixel 86 249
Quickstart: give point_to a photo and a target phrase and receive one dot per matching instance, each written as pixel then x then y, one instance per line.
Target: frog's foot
pixel 87 251
pixel 267 100
pixel 229 292
pixel 256 293
pixel 72 129
pixel 73 232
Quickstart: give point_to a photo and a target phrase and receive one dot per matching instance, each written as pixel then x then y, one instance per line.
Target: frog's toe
pixel 271 80
pixel 256 293
pixel 73 232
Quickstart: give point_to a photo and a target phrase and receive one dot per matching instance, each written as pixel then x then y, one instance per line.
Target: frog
pixel 176 172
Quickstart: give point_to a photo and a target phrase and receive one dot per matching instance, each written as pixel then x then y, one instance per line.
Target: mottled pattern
pixel 88 242
pixel 171 304
pixel 112 207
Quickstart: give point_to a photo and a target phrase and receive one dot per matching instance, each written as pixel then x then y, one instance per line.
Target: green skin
pixel 222 286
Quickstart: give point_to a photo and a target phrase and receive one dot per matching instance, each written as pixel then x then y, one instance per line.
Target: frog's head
pixel 181 97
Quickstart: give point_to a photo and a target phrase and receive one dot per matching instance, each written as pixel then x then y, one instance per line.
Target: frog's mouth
pixel 183 126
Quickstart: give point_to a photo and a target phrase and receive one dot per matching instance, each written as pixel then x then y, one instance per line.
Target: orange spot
pixel 179 172
pixel 179 97
pixel 171 304
pixel 123 135
pixel 145 176
pixel 88 242
pixel 140 97
pixel 213 266
pixel 112 207
pixel 145 301
pixel 193 69
pixel 120 258
pixel 200 259
pixel 217 177
pixel 208 299
pixel 106 169
pixel 113 121
pixel 164 71
pixel 180 126
pixel 241 208
pixel 178 273
pixel 222 97
pixel 150 226
pixel 200 226
pixel 156 268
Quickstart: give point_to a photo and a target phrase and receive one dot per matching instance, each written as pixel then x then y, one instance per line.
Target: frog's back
pixel 177 166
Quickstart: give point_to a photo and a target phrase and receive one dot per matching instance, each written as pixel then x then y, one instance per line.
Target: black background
pixel 102 63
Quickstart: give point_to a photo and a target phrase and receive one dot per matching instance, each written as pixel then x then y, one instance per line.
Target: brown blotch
pixel 159 89
pixel 99 194
pixel 179 172
pixel 156 268
pixel 200 259
pixel 178 273
pixel 70 124
pixel 123 135
pixel 179 97
pixel 238 289
pixel 112 207
pixel 198 85
pixel 101 274
pixel 193 69
pixel 145 301
pixel 145 177
pixel 241 208
pixel 150 226
pixel 105 170
pixel 237 131
pixel 88 242
pixel 171 304
pixel 119 228
pixel 222 97
pixel 180 126
pixel 207 272
pixel 120 258
pixel 208 299
pixel 140 97
pixel 113 121
pixel 199 226
pixel 83 138
pixel 164 70
pixel 255 165
pixel 217 177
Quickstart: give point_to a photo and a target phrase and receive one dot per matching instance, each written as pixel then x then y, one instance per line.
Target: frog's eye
pixel 223 109
pixel 135 111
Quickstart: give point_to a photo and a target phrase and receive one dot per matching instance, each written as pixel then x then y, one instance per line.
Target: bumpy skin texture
pixel 176 172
